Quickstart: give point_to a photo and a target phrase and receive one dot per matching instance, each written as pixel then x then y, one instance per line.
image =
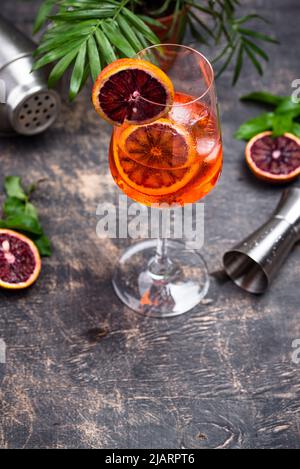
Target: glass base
pixel 176 289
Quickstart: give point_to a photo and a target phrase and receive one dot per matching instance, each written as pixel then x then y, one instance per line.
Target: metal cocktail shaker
pixel 254 262
pixel 26 104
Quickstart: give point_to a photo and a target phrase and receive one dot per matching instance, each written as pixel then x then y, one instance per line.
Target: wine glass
pixel 178 161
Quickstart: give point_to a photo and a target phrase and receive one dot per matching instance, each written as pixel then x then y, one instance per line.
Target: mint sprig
pixel 21 215
pixel 285 116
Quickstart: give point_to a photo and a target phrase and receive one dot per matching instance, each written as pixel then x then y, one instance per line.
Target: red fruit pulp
pixel 17 261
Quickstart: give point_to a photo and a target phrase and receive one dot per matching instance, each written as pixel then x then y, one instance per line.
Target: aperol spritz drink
pixel 167 151
pixel 175 160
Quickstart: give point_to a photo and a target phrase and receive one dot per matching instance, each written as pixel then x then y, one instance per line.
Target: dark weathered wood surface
pixel 82 371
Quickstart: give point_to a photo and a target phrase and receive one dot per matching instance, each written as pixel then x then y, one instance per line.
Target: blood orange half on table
pixel 20 262
pixel 274 159
pixel 133 91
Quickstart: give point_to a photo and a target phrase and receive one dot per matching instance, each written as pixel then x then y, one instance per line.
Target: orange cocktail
pixel 175 160
pixel 165 151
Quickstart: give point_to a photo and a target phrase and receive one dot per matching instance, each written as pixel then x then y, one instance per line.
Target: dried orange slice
pixel 274 159
pixel 20 262
pixel 162 145
pixel 132 90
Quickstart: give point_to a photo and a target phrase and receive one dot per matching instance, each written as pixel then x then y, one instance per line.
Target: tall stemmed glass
pixel 162 278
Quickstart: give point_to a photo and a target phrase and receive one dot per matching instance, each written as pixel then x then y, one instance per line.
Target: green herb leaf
pixel 22 222
pixel 31 210
pixel 13 206
pixel 14 188
pixel 282 123
pixel 255 126
pixel 43 245
pixel 262 97
pixel 287 105
pixel 296 129
pixel 20 214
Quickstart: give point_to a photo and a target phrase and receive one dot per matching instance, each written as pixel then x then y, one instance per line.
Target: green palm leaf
pixel 78 72
pixel 116 38
pixel 91 33
pixel 61 67
pixel 94 58
pixel 105 48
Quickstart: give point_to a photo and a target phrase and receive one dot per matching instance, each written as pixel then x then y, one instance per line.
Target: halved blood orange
pixel 274 159
pixel 162 145
pixel 20 261
pixel 132 90
pixel 151 181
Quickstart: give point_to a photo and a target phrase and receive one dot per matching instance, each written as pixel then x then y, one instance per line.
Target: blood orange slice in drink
pixel 274 159
pixel 151 181
pixel 162 145
pixel 20 262
pixel 133 91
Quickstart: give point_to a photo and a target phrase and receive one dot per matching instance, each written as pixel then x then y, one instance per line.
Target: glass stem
pixel 160 265
pixel 161 255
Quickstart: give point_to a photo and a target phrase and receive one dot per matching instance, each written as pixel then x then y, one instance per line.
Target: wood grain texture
pixel 83 371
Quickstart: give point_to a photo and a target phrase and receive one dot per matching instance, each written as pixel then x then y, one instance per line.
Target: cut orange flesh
pixel 151 181
pixel 20 262
pixel 274 159
pixel 133 91
pixel 161 145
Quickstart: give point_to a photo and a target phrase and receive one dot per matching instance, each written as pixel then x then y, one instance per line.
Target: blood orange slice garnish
pixel 133 91
pixel 151 181
pixel 161 145
pixel 20 262
pixel 274 159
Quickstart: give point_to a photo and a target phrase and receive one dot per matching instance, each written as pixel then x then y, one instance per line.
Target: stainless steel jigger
pixel 26 104
pixel 253 263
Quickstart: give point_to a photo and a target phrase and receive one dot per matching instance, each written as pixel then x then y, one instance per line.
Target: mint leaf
pixel 22 222
pixel 14 188
pixel 31 210
pixel 263 97
pixel 287 105
pixel 21 215
pixel 13 206
pixel 296 129
pixel 43 245
pixel 254 126
pixel 282 123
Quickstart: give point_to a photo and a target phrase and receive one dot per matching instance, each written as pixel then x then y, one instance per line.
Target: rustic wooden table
pixel 82 371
